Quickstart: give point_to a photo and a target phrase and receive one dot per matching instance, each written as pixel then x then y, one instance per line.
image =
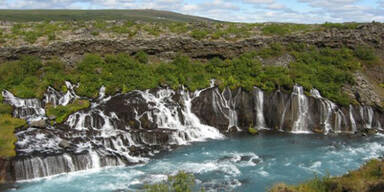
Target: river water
pixel 246 164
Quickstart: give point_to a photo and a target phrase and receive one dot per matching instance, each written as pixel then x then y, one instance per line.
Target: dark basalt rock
pixel 124 129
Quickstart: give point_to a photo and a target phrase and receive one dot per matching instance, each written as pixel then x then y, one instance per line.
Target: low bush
pixel 62 112
pixel 362 180
pixel 325 69
pixel 5 108
pixel 8 124
pixel 181 182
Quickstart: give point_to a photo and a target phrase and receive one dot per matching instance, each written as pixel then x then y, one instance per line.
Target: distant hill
pixel 132 14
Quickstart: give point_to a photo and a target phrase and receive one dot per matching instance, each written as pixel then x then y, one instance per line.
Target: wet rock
pixel 64 144
pixel 38 124
pixel 52 117
pixel 6 171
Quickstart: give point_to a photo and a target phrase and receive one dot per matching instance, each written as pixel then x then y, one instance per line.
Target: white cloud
pixel 276 6
pixel 260 1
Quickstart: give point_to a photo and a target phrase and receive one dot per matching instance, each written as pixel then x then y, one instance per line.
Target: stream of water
pixel 247 164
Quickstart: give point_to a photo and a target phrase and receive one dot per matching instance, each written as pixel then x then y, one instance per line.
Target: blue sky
pixel 297 11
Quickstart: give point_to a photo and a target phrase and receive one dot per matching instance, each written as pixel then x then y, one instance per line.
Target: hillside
pixel 86 15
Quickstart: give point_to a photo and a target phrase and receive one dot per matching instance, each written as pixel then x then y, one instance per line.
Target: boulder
pixel 38 124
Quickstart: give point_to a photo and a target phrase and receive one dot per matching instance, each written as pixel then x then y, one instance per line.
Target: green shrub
pixel 340 25
pixel 62 112
pixel 361 180
pixel 365 53
pixel 252 131
pixel 142 57
pixel 199 34
pixel 181 182
pixel 8 124
pixel 5 108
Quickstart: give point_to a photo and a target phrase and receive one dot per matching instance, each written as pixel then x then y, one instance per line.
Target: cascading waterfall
pixel 327 109
pixel 129 128
pixel 55 97
pixel 166 116
pixel 259 108
pixel 300 125
pixel 225 107
pixel 28 109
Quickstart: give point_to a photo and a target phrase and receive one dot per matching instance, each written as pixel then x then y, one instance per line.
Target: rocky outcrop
pixel 166 47
pixel 6 171
pixel 130 128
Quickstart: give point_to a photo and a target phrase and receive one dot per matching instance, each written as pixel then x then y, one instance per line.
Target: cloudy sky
pixel 298 11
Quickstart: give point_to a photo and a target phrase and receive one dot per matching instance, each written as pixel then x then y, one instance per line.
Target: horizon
pixel 248 11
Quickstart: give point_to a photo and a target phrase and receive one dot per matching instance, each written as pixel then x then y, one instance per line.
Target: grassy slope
pixel 62 15
pixel 369 177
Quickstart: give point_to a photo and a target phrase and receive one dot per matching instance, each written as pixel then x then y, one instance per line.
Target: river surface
pixel 246 164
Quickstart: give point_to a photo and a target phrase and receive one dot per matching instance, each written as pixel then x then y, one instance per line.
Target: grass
pixel 284 28
pixel 5 108
pixel 62 112
pixel 368 177
pixel 8 124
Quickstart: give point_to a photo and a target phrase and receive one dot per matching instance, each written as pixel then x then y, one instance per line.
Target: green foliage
pixel 284 29
pixel 8 124
pixel 62 112
pixel 340 25
pixel 199 34
pixel 362 180
pixel 325 69
pixel 274 49
pixel 365 53
pixel 141 57
pixel 181 182
pixel 252 131
pixel 5 108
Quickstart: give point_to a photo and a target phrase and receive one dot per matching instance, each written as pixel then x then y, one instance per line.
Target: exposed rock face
pixel 6 171
pixel 130 128
pixel 368 34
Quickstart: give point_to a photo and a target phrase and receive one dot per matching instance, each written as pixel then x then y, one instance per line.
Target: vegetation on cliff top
pixel 368 178
pixel 55 28
pixel 325 69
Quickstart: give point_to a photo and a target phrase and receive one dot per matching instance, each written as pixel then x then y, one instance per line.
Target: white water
pixel 260 123
pixel 300 125
pixel 166 116
pixel 28 109
pixel 353 122
pixel 101 137
pixel 224 106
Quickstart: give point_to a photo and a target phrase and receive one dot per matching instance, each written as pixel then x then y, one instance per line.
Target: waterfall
pixel 366 113
pixel 165 114
pixel 300 125
pixel 55 97
pixel 327 108
pixel 28 109
pixel 225 106
pixel 130 128
pixel 259 108
pixel 352 119
pixel 95 159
